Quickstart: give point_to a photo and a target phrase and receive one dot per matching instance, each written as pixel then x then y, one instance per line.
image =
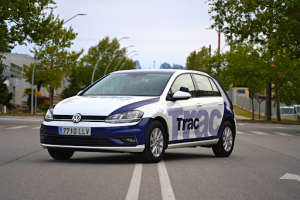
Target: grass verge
pixel 245 113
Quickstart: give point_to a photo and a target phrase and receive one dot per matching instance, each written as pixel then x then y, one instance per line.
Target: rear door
pixel 212 106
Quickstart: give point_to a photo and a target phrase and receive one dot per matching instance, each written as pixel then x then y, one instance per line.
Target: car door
pixel 212 107
pixel 182 112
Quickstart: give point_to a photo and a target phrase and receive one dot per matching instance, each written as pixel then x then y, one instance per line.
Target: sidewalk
pixel 241 117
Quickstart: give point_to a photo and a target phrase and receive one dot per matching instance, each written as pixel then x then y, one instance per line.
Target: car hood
pixel 100 105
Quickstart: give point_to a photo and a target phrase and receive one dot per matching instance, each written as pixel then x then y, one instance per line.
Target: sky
pixel 160 30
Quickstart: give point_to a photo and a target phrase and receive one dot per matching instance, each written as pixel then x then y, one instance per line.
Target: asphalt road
pixel 265 164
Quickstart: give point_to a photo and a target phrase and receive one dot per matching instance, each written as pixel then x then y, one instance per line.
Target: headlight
pixel 125 117
pixel 49 114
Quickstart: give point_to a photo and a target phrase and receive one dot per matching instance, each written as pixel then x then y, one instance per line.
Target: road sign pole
pixel 259 112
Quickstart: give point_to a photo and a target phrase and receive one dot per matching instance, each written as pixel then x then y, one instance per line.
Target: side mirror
pixel 179 95
pixel 184 89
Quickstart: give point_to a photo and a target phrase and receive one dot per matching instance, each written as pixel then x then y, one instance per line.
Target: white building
pixel 14 64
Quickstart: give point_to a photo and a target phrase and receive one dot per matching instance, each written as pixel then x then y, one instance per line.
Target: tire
pixel 225 144
pixel 59 154
pixel 155 144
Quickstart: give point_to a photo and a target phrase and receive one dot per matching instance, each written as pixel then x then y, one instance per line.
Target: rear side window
pixel 184 80
pixel 215 88
pixel 204 86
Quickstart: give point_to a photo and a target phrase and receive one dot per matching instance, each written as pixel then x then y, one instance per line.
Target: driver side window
pixel 184 80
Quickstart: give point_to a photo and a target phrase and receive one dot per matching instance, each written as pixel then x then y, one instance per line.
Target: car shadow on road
pixel 117 158
pixel 124 158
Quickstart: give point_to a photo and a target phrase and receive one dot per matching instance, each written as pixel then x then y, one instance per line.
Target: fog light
pixel 42 137
pixel 128 140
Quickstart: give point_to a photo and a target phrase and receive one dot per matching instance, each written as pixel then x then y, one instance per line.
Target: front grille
pixel 78 141
pixel 83 118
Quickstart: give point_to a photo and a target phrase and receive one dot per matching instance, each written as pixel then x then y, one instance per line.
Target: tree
pixel 202 60
pixel 244 64
pixel 5 96
pixel 213 65
pixel 272 23
pixel 287 80
pixel 55 61
pixel 24 21
pixel 90 59
pixel 82 72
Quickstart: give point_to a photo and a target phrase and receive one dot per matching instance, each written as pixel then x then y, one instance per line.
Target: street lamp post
pixel 32 78
pixel 114 58
pixel 103 54
pixel 125 61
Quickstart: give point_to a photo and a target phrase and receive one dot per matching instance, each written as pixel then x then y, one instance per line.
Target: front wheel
pixel 59 154
pixel 155 143
pixel 225 144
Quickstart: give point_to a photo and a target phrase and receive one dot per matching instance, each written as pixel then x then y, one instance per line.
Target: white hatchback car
pixel 145 112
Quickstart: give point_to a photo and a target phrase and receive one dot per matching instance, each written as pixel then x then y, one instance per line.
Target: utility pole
pixel 210 51
pixel 195 60
pixel 219 37
pixel 154 65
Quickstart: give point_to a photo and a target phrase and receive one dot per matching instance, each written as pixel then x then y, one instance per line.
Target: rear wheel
pixel 155 143
pixel 225 144
pixel 59 154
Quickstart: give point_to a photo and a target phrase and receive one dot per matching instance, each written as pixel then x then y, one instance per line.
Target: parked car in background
pixel 297 109
pixel 286 110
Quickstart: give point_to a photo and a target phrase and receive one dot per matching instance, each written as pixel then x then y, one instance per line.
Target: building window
pixel 16 71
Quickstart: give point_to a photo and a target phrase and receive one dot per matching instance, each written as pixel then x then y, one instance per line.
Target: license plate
pixel 74 131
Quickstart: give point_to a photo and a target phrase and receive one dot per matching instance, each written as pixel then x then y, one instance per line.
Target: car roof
pixel 159 71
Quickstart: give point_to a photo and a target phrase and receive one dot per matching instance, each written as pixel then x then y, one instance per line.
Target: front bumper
pixel 109 138
pixel 138 148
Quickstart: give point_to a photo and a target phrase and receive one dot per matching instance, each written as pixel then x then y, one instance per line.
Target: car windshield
pixel 130 84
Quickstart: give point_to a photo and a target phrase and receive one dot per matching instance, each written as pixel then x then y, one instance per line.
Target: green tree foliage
pixel 270 23
pixel 55 59
pixel 94 53
pixel 287 79
pixel 213 65
pixel 75 80
pixel 202 60
pixel 24 21
pixel 5 96
pixel 245 64
pixel 82 73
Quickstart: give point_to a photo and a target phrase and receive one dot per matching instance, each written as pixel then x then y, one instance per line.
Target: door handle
pixel 199 104
pixel 220 103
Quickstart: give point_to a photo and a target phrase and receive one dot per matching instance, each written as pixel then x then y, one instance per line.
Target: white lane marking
pixel 240 124
pixel 36 127
pixel 134 188
pixel 2 126
pixel 259 133
pixel 16 127
pixel 165 183
pixel 283 134
pixel 239 132
pixel 291 176
pixel 19 119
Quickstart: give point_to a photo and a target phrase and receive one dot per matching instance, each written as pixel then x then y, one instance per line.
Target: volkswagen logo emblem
pixel 76 118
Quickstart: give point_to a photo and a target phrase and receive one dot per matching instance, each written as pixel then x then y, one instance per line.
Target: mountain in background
pixel 137 66
pixel 168 66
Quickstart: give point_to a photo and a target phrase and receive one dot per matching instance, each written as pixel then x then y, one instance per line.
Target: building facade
pixel 14 70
